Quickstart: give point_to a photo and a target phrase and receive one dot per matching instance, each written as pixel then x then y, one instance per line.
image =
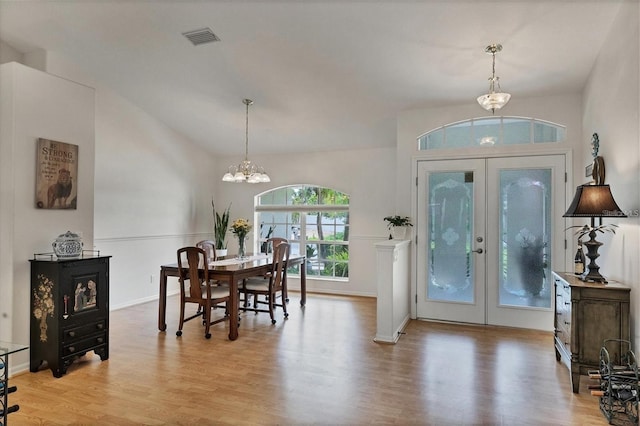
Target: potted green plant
pixel 398 226
pixel 220 226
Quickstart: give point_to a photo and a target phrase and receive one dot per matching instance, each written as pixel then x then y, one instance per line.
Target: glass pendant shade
pixel 228 177
pixel 496 98
pixel 493 101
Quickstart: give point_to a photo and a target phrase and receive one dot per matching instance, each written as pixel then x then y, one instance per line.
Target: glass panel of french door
pixel 451 222
pixel 525 199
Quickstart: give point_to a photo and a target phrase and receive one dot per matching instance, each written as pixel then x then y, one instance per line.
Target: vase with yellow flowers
pixel 241 228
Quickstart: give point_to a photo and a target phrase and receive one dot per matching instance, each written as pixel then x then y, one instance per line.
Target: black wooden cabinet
pixel 586 314
pixel 69 311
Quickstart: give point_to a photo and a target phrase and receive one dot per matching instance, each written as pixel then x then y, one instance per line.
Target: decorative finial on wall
pixel 598 162
pixel 595 144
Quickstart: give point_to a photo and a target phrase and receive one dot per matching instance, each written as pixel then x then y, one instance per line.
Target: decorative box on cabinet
pixel 586 314
pixel 69 311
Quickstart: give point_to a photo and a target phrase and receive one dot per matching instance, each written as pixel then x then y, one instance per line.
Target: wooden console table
pixel 586 314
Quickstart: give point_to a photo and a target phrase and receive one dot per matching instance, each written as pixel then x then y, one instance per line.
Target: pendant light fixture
pixel 246 171
pixel 494 99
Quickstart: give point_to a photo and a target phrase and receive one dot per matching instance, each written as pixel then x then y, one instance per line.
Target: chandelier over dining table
pixel 246 171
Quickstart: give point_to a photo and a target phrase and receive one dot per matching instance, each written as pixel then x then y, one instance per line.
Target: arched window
pixel 492 131
pixel 315 220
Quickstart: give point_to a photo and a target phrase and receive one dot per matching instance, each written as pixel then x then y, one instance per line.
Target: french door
pixel 487 238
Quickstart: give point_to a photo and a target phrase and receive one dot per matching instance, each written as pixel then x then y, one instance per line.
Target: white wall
pixel 611 109
pixel 368 176
pixel 37 105
pixel 9 54
pixel 153 187
pixel 153 190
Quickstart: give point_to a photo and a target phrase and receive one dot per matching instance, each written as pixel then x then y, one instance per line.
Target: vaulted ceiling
pixel 323 75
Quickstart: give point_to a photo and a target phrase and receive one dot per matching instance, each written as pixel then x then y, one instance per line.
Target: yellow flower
pixel 241 227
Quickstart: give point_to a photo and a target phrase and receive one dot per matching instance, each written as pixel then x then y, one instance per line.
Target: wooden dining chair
pixel 267 247
pixel 210 247
pixel 269 244
pixel 269 287
pixel 195 287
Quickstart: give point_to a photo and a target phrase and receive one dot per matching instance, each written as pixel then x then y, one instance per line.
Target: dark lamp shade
pixel 594 201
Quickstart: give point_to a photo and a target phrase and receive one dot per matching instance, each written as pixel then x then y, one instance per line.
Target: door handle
pixel 479 251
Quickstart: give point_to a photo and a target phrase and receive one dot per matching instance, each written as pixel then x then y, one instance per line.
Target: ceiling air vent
pixel 201 36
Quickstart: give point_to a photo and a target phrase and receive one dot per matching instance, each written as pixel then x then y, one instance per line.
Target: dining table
pixel 232 270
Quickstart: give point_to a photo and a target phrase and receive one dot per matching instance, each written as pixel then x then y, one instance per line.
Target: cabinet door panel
pixel 592 338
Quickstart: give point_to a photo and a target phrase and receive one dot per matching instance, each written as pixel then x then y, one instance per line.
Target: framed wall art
pixel 56 175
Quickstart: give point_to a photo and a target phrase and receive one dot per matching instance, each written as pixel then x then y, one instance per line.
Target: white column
pixel 393 306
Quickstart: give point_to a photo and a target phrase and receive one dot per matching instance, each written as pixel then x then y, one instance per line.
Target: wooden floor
pixel 320 366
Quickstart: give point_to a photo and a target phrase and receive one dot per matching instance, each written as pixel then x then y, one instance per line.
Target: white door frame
pixel 517 151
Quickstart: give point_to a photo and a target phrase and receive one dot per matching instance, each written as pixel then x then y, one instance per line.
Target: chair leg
pixel 284 307
pixel 207 313
pixel 271 313
pixel 179 332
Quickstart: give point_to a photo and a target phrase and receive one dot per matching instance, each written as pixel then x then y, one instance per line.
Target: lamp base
pixel 592 271
pixel 593 276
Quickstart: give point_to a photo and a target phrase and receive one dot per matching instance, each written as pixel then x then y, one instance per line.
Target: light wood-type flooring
pixel 320 366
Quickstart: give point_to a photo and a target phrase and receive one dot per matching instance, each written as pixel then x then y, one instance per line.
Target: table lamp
pixel 593 201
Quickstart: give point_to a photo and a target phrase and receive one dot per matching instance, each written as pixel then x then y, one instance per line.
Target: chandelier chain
pixel 247 102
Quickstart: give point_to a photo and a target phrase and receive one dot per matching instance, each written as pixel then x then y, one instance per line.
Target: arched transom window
pixel 492 131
